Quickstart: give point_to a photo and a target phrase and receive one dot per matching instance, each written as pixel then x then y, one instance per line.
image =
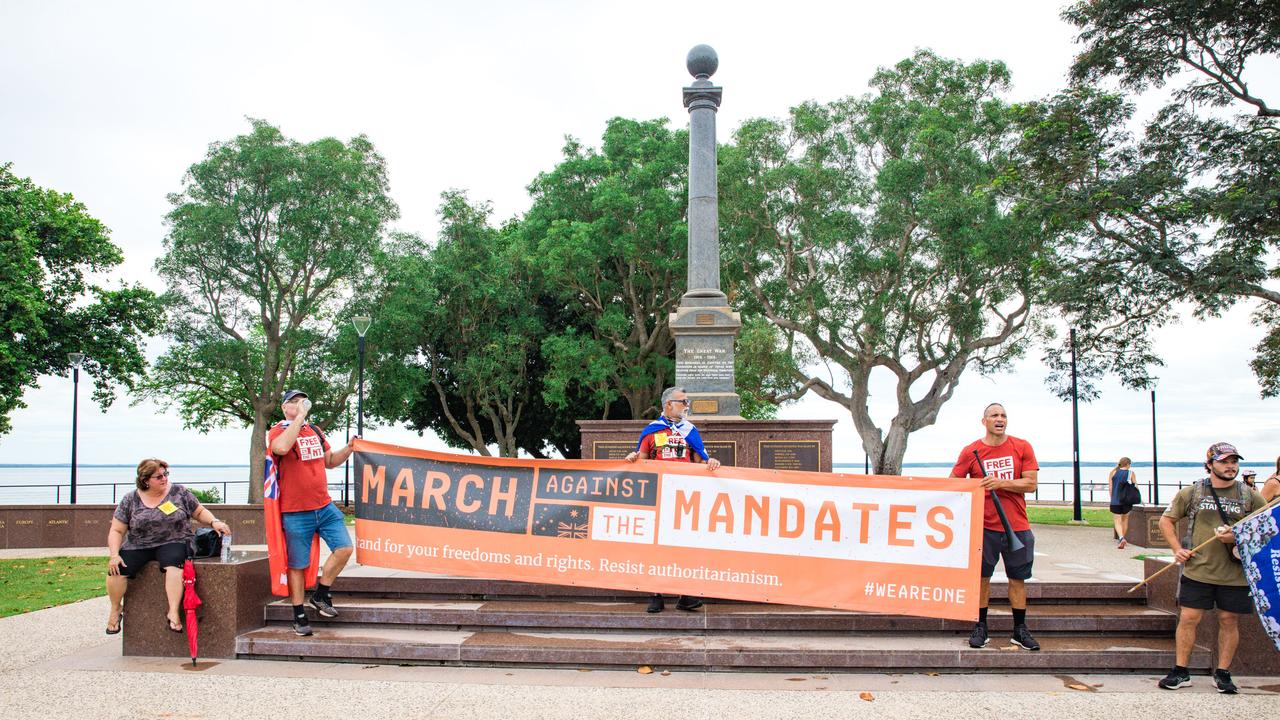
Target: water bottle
pixel 226 548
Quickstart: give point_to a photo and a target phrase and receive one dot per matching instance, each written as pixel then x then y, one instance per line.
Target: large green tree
pixel 271 249
pixel 50 247
pixel 460 333
pixel 608 230
pixel 1190 208
pixel 873 233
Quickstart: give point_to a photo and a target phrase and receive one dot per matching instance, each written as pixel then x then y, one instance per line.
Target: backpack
pixel 1198 493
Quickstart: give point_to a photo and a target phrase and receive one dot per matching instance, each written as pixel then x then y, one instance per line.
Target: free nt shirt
pixel 303 483
pixel 1211 564
pixel 1007 461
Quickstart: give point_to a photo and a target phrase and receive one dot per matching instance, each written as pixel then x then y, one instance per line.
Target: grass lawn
pixel 37 583
pixel 1042 515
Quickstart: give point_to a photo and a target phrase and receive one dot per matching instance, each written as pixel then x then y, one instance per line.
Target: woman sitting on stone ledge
pixel 153 523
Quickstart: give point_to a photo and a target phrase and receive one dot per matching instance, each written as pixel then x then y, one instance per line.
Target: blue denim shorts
pixel 299 527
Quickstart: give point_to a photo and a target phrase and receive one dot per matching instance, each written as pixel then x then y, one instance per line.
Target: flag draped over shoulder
pixel 684 428
pixel 1259 541
pixel 277 550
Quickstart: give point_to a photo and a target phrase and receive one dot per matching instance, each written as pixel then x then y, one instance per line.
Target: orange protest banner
pixel 899 545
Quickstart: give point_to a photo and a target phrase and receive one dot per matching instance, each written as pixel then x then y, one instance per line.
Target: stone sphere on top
pixel 702 61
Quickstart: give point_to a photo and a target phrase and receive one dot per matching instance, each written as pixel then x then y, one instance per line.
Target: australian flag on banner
pixel 1258 538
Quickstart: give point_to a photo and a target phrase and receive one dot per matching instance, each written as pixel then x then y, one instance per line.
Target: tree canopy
pixel 50 249
pixel 872 232
pixel 271 249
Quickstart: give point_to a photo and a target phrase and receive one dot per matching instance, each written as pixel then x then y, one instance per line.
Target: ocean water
pixel 49 484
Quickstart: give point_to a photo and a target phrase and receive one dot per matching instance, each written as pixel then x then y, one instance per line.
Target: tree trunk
pixel 257 456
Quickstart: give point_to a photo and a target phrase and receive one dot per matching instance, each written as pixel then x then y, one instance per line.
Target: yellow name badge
pixel 167 507
pixel 660 440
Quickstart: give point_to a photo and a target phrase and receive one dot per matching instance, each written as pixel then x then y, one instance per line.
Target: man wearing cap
pixel 1212 577
pixel 302 455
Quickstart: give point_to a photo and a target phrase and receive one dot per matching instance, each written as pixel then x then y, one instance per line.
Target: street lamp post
pixel 77 359
pixel 361 323
pixel 346 465
pixel 1076 510
pixel 1155 461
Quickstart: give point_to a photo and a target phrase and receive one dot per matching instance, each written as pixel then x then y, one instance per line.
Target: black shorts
pixel 1207 596
pixel 1017 565
pixel 1121 509
pixel 169 555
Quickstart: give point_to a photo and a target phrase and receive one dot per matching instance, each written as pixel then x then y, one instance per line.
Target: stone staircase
pixel 420 619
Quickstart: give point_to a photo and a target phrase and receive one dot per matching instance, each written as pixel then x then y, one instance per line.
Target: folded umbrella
pixel 191 601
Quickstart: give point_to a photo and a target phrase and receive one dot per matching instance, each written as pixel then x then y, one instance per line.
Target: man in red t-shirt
pixel 1008 469
pixel 302 455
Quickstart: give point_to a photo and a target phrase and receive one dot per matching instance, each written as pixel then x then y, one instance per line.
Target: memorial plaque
pixel 704 319
pixel 726 451
pixel 23 531
pixel 611 450
pixel 705 364
pixel 791 455
pixel 705 407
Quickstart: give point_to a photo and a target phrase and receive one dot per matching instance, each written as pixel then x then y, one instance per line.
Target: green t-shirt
pixel 1212 563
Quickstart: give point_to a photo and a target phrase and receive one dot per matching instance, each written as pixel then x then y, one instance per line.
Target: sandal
pixel 169 624
pixel 119 624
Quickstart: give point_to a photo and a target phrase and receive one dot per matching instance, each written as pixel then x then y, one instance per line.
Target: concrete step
pixel 795 652
pixel 714 617
pixel 425 587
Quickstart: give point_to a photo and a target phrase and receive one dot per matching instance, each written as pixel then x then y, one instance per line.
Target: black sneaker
pixel 688 604
pixel 323 606
pixel 655 604
pixel 301 627
pixel 1022 638
pixel 1178 679
pixel 978 638
pixel 1222 679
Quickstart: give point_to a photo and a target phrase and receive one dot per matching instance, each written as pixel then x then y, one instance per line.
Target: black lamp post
pixel 77 359
pixel 1155 461
pixel 1076 510
pixel 346 465
pixel 361 323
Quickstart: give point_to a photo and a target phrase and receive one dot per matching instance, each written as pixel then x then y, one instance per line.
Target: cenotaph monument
pixel 705 328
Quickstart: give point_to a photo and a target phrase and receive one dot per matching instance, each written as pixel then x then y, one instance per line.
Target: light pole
pixel 346 465
pixel 1155 462
pixel 77 359
pixel 1077 514
pixel 361 323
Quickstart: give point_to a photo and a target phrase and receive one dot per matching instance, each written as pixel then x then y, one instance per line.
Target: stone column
pixel 704 326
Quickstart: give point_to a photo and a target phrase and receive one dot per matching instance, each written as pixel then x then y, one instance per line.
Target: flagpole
pixel 1172 565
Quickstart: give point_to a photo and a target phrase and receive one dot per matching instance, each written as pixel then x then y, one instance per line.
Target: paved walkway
pixel 58 662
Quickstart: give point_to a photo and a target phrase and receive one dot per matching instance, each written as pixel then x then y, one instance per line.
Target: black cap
pixel 291 394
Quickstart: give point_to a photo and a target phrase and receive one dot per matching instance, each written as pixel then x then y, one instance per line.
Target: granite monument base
pixel 769 444
pixel 1144 527
pixel 58 526
pixel 1255 655
pixel 235 596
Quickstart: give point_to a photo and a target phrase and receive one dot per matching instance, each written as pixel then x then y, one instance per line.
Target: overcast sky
pixel 113 101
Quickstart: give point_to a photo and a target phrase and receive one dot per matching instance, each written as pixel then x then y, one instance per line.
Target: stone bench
pixel 235 594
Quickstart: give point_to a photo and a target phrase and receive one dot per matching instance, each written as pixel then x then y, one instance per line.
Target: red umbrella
pixel 191 601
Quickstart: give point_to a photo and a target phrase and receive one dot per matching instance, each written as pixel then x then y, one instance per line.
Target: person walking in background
pixel 1271 486
pixel 302 454
pixel 1121 476
pixel 153 523
pixel 1212 577
pixel 674 439
pixel 1008 466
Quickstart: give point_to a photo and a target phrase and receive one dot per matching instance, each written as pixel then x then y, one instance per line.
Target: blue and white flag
pixel 1258 539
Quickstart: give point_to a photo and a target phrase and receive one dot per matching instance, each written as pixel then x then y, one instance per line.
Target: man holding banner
pixel 1212 577
pixel 302 455
pixel 1008 468
pixel 674 439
